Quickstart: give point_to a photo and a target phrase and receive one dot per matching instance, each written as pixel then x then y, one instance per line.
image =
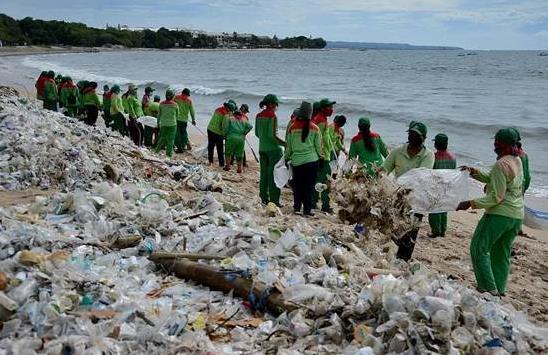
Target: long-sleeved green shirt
pixel 399 161
pixel 116 105
pixel 134 107
pixel 152 109
pixel 238 128
pixel 168 113
pixel 300 152
pixel 337 137
pixel 185 108
pixel 370 159
pixel 91 98
pixel 504 193
pixel 321 121
pixel 219 121
pixel 526 172
pixel 50 90
pixel 266 129
pixel 69 95
pixel 106 101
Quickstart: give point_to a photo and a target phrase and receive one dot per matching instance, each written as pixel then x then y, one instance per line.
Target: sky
pixel 471 24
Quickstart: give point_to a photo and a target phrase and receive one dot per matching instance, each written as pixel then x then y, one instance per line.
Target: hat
pixel 364 123
pixel 269 99
pixel 115 88
pixel 304 112
pixel 157 97
pixel 231 105
pixel 170 94
pixel 51 74
pixel 131 87
pixel 441 138
pixel 418 127
pixel 325 102
pixel 507 136
pixel 92 84
pixel 149 89
pixel 244 108
pixel 518 136
pixel 105 88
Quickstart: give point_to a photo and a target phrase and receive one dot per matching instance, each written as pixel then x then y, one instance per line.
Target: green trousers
pixel 50 105
pixel 438 223
pixel 234 147
pixel 267 188
pixel 119 123
pixel 148 136
pixel 167 139
pixel 323 174
pixel 181 138
pixel 71 111
pixel 490 251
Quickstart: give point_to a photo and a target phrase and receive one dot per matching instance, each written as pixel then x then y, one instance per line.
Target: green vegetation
pixel 38 32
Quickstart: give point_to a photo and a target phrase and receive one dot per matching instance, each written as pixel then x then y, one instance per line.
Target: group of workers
pixel 311 143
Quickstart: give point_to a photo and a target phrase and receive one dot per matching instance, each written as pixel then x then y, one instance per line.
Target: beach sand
pixel 528 283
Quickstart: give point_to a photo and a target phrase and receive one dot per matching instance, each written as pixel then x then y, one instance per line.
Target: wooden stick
pixel 157 256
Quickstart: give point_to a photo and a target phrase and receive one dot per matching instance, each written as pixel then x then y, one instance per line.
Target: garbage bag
pixel 200 152
pixel 282 173
pixel 148 121
pixel 440 190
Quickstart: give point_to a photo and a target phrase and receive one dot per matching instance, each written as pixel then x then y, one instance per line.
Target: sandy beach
pixel 528 284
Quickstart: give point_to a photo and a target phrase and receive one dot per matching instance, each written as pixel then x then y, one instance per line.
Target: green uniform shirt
pixel 168 113
pixel 337 137
pixel 91 98
pixel 134 108
pixel 106 102
pixel 526 172
pixel 369 159
pixel 152 109
pixel 300 152
pixel 504 188
pixel 321 121
pixel 238 128
pixel 116 105
pixel 185 108
pixel 266 129
pixel 50 90
pixel 219 121
pixel 65 96
pixel 400 162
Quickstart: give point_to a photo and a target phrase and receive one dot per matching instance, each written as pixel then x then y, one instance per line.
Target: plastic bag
pixel 282 173
pixel 441 190
pixel 148 121
pixel 200 152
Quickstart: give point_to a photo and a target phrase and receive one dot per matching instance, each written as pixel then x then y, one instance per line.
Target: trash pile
pixel 378 203
pixel 87 269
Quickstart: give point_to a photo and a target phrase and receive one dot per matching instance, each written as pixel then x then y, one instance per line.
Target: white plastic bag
pixel 440 190
pixel 282 173
pixel 200 152
pixel 148 121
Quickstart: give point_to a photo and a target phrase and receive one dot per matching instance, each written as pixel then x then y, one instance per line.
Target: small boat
pixel 543 54
pixel 536 212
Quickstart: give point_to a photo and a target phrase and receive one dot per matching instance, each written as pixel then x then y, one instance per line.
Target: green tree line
pixel 39 32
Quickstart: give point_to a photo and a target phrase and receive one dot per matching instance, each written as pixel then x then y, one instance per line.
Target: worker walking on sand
pixel 216 131
pixel 151 133
pixel 167 122
pixel 134 111
pixel 270 148
pixel 117 113
pixel 325 110
pixel 92 104
pixel 444 159
pixel 185 109
pixel 50 92
pixel 402 159
pixel 491 244
pixel 69 97
pixel 304 151
pixel 238 128
pixel 368 147
pixel 106 105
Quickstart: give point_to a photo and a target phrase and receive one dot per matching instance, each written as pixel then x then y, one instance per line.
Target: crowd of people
pixel 310 146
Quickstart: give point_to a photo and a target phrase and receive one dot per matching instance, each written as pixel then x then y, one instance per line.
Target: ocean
pixel 468 97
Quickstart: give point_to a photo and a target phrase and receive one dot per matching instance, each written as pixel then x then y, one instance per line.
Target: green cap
pixel 507 136
pixel 364 123
pixel 231 105
pixel 105 88
pixel 325 102
pixel 441 139
pixel 419 128
pixel 269 99
pixel 115 88
pixel 518 136
pixel 149 89
pixel 51 74
pixel 170 94
pixel 157 97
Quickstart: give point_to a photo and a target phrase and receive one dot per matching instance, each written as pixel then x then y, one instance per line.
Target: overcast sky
pixel 473 24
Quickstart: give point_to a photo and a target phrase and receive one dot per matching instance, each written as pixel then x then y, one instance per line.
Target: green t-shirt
pixel 168 113
pixel 185 108
pixel 116 105
pixel 370 159
pixel 300 152
pixel 266 129
pixel 399 161
pixel 134 107
pixel 91 98
pixel 152 109
pixel 238 128
pixel 219 121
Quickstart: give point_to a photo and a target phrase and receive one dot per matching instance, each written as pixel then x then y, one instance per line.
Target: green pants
pixel 234 147
pixel 438 223
pixel 167 139
pixel 119 123
pixel 323 174
pixel 267 188
pixel 148 136
pixel 490 251
pixel 181 139
pixel 71 111
pixel 50 105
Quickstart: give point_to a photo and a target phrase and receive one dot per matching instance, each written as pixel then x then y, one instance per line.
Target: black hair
pixel 340 120
pixel 368 142
pixel 186 92
pixel 305 131
pixel 440 146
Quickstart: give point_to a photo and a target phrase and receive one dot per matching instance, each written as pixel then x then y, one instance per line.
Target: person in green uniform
pixel 185 109
pixel 304 151
pixel 92 103
pixel 117 113
pixel 134 110
pixel 444 159
pixel 147 97
pixel 39 85
pixel 238 128
pixel 50 92
pixel 106 105
pixel 69 96
pixel 167 121
pixel 82 84
pixel 368 147
pixel 522 154
pixel 491 244
pixel 270 148
pixel 216 131
pixel 402 159
pixel 152 110
pixel 325 110
pixel 336 134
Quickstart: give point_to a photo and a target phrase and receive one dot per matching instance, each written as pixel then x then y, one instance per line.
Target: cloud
pixel 542 34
